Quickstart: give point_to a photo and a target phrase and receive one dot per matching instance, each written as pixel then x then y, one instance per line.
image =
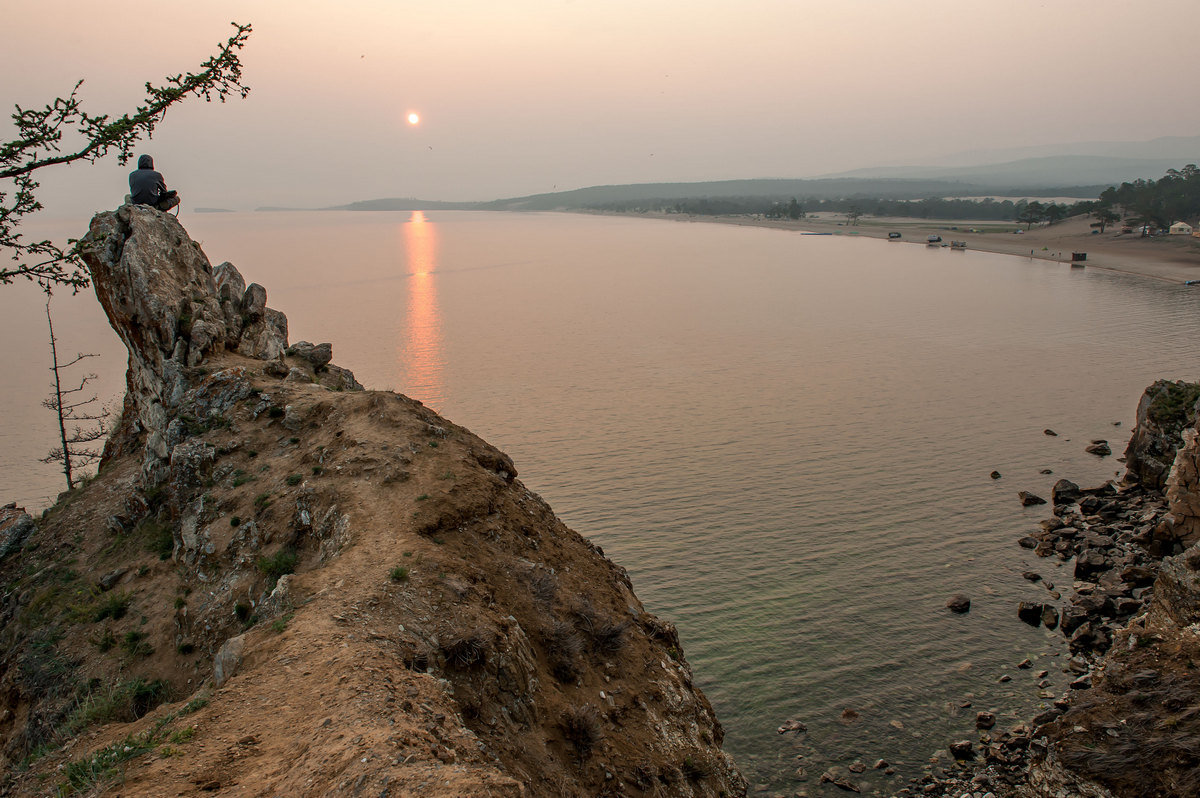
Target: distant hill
pixel 1075 164
pixel 600 197
pixel 1180 149
pixel 1042 172
pixel 404 204
pixel 1078 170
pixel 782 190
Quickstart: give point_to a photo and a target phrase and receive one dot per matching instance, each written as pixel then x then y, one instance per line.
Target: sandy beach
pixel 1171 258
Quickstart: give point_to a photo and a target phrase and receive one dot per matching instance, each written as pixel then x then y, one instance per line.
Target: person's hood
pixel 145 162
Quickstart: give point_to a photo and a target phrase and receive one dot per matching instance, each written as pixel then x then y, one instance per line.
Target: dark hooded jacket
pixel 146 186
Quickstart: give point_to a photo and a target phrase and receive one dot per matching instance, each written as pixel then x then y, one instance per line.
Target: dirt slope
pixel 295 588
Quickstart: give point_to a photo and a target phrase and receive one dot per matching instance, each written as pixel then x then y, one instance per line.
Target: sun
pixel 414 118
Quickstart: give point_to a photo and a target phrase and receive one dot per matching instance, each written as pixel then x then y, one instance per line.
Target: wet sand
pixel 1174 259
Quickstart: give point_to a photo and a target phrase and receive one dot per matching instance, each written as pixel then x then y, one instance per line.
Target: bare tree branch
pixel 39 144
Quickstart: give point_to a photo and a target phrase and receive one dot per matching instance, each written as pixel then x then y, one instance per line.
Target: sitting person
pixel 146 187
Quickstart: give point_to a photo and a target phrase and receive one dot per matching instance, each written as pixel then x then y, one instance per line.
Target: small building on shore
pixel 1181 229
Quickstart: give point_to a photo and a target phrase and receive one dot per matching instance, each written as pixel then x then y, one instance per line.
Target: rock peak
pixel 265 535
pixel 172 309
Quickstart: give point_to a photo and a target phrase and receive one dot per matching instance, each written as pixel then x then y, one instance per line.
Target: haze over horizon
pixel 536 96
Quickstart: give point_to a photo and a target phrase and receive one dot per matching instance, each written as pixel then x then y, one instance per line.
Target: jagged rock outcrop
pixel 171 308
pixel 281 584
pixel 1181 527
pixel 1177 590
pixel 1164 411
pixel 15 526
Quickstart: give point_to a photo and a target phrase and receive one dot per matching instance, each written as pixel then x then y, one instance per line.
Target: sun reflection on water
pixel 420 358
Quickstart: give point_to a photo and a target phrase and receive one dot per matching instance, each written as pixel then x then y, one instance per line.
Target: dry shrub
pixel 563 647
pixel 643 776
pixel 544 586
pixel 417 660
pixel 605 637
pixel 581 728
pixel 694 768
pixel 1122 764
pixel 584 614
pixel 1138 716
pixel 465 651
pixel 663 631
pixel 608 638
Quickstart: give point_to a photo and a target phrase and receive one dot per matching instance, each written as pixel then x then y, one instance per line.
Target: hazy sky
pixel 526 96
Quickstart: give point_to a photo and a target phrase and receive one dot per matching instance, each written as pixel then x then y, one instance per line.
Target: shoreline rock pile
pixel 1130 622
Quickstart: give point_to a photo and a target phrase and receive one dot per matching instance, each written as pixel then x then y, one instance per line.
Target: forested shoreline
pixel 1149 204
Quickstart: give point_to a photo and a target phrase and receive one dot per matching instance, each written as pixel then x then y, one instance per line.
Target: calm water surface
pixel 785 439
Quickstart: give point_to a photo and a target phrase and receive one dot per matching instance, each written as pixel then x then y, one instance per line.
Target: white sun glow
pixel 413 118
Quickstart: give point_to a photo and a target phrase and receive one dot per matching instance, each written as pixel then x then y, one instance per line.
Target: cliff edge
pixel 282 584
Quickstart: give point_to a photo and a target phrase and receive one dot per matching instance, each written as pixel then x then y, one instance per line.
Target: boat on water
pixel 958 245
pixel 893 236
pixel 934 239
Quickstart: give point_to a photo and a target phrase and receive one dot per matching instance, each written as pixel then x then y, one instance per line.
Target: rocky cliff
pixel 1129 726
pixel 1164 411
pixel 282 584
pixel 1134 727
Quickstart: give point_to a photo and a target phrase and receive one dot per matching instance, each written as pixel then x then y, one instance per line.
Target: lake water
pixel 785 439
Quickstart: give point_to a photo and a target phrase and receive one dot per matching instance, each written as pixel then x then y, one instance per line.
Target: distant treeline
pixel 1145 203
pixel 793 208
pixel 1155 203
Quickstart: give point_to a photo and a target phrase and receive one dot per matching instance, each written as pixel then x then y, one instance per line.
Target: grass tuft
pixel 581 728
pixel 155 537
pixel 563 646
pixel 122 702
pixel 608 638
pixel 114 606
pixel 694 769
pixel 106 641
pixel 134 644
pixel 280 563
pixel 1175 404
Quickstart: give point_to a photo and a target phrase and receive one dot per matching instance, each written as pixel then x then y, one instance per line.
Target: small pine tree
pixel 89 423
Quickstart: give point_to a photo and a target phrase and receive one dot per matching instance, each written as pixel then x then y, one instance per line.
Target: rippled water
pixel 785 439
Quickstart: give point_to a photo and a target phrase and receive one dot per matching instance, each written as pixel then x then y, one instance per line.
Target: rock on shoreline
pixel 1128 621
